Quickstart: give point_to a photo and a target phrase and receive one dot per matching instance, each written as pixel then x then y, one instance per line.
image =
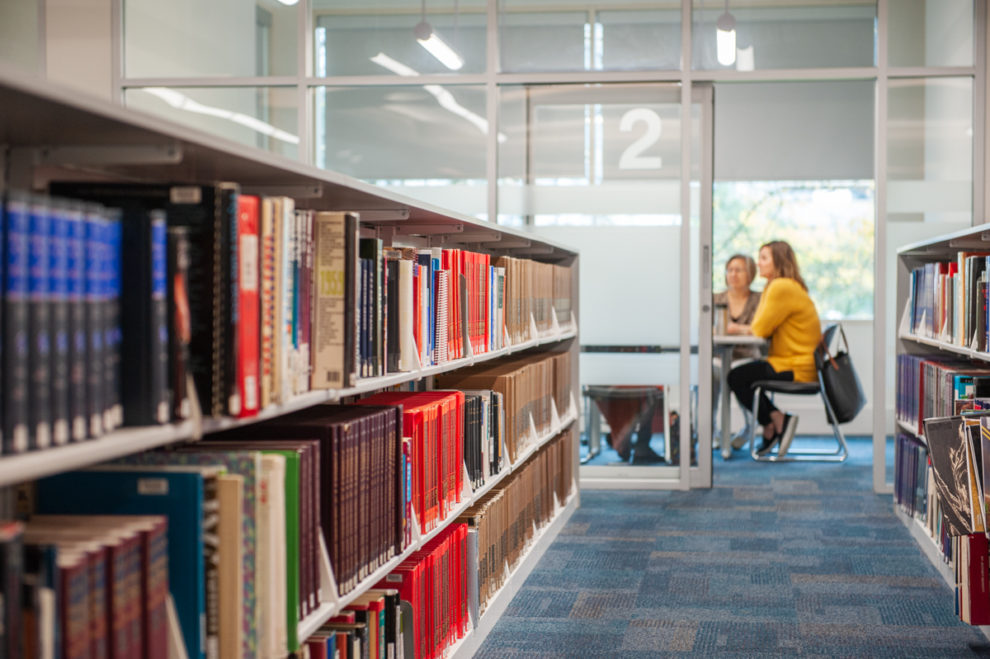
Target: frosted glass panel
pixel 426 141
pixel 351 40
pixel 793 35
pixel 190 38
pixel 930 151
pixel 599 38
pixel 930 33
pixel 263 117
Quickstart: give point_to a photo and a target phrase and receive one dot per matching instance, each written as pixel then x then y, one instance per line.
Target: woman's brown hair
pixel 784 261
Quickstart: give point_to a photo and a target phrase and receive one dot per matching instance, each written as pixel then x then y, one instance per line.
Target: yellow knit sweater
pixel 788 317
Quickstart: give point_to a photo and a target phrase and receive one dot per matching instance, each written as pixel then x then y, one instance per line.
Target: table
pixel 722 345
pixel 627 408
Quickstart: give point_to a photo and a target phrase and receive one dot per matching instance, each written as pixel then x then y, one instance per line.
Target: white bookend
pixel 328 582
pixel 534 332
pixel 905 326
pixel 922 324
pixel 467 491
pixel 554 416
pixel 176 646
pixel 473 587
pixel 554 325
pixel 465 325
pixel 408 359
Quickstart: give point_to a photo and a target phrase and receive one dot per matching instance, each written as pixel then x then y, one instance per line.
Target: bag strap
pixel 829 359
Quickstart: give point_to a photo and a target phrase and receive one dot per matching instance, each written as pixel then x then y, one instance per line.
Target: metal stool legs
pixel 839 454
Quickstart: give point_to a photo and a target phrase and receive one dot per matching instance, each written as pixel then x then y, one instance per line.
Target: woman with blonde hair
pixel 787 317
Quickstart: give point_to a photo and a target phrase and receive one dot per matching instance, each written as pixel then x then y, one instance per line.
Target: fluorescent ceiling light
pixel 725 38
pixel 437 47
pixel 288 3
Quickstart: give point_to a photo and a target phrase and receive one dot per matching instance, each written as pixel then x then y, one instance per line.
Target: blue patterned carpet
pixel 775 560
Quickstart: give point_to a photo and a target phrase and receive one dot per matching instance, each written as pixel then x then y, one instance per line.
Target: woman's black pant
pixel 741 380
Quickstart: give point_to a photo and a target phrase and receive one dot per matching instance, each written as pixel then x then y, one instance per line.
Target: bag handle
pixel 828 354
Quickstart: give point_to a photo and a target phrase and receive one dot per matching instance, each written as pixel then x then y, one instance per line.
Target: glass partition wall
pixel 593 122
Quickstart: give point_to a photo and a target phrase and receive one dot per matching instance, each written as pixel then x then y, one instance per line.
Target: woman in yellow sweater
pixel 788 318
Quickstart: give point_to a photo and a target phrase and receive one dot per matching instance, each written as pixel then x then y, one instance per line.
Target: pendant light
pixel 431 41
pixel 725 38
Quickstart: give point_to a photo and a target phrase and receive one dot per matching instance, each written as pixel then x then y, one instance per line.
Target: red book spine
pixel 99 602
pixel 979 579
pixel 248 301
pixel 74 607
pixel 155 594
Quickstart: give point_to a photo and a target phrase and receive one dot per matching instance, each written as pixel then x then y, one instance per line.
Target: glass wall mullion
pixel 880 416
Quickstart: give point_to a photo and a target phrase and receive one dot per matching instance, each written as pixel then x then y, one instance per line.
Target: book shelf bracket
pixel 329 594
pixel 176 645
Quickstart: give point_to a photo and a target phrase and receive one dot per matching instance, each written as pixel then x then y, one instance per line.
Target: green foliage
pixel 828 223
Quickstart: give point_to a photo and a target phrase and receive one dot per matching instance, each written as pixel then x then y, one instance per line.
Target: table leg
pixel 724 394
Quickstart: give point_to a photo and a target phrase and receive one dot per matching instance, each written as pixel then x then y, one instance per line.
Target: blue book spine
pixel 59 311
pixel 76 293
pixel 94 321
pixel 159 315
pixel 14 375
pixel 111 284
pixel 39 349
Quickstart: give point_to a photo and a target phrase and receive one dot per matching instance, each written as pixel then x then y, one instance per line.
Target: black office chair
pixel 771 387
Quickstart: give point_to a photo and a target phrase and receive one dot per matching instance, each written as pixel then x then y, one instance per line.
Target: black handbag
pixel 842 385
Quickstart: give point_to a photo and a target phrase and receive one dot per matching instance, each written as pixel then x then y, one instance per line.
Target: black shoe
pixel 787 434
pixel 648 456
pixel 767 444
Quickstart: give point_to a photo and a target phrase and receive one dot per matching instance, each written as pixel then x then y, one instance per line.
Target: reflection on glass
pixel 426 141
pixel 792 35
pixel 930 33
pixel 583 156
pixel 348 36
pixel 264 117
pixel 225 39
pixel 930 150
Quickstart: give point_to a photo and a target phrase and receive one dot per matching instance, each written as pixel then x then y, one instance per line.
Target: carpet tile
pixel 775 560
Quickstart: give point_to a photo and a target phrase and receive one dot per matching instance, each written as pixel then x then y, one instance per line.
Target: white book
pixel 407 345
pixel 271 547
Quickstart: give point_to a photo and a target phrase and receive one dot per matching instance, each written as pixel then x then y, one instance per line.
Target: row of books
pixel 947 300
pixel 957 507
pixel 505 519
pixel 84 586
pixel 911 476
pixel 374 626
pixel 935 387
pixel 62 328
pixel 533 387
pixel 362 480
pixel 163 291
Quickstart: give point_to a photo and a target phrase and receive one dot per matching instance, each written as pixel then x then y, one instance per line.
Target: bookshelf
pixel 49 133
pixel 931 326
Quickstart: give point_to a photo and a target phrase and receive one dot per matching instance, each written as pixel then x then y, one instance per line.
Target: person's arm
pixel 773 308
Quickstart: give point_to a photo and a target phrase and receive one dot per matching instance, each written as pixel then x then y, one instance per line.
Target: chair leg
pixel 752 427
pixel 839 454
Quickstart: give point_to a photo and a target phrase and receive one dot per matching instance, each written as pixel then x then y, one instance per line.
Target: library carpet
pixel 776 560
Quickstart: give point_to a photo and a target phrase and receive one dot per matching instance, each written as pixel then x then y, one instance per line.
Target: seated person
pixel 787 316
pixel 740 302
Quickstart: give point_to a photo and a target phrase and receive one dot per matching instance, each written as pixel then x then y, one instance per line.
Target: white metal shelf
pixel 326 611
pixel 125 441
pixel 945 347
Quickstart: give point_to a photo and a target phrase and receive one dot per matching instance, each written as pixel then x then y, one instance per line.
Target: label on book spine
pixel 15 326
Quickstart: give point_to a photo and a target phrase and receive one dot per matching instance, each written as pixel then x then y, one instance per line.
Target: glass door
pixel 608 169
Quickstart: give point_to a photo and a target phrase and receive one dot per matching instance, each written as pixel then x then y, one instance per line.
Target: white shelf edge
pixel 499 602
pixel 927 545
pixel 23 467
pixel 946 347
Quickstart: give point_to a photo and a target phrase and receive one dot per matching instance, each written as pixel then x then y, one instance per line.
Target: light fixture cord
pixel 422 10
